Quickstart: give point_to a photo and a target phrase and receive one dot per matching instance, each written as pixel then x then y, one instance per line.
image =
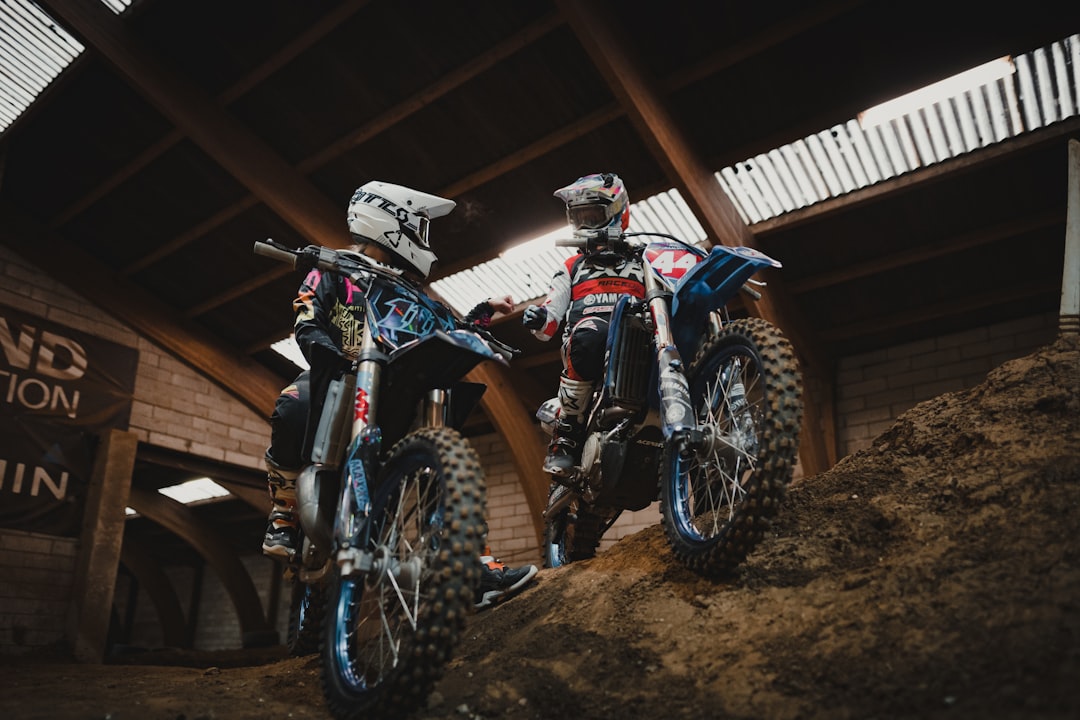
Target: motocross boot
pixel 564 453
pixel 282 528
pixel 498 582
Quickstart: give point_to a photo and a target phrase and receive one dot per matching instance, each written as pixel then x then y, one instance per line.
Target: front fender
pixel 708 286
pixel 436 361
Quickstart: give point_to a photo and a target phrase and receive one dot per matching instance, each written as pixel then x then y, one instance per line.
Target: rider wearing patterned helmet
pixel 596 202
pixel 582 294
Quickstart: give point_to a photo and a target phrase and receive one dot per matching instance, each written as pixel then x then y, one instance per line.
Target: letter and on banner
pixel 59 389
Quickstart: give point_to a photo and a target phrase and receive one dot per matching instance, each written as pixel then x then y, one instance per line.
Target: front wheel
pixel 717 501
pixel 390 631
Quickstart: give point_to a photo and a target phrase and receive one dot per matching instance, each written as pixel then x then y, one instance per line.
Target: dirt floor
pixel 934 575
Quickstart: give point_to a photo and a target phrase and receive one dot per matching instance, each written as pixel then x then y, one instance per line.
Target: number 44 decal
pixel 672 263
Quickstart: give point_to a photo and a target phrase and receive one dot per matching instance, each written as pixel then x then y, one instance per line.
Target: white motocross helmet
pixel 395 218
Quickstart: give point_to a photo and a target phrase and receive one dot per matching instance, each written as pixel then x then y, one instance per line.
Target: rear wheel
pixel 717 503
pixel 572 534
pixel 305 618
pixel 390 631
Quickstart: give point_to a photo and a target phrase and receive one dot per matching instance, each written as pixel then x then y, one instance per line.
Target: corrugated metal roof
pixel 34 50
pixel 1043 87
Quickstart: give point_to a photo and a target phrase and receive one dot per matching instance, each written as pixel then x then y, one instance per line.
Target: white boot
pixel 564 452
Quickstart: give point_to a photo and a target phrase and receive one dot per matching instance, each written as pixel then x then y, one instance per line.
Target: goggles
pixel 587 216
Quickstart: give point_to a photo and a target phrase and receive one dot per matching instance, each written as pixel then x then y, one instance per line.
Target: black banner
pixel 59 388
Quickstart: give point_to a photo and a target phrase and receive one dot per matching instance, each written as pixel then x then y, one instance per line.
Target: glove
pixel 534 317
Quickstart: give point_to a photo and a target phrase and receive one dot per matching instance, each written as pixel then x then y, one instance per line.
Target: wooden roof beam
pixel 383 122
pixel 157 586
pixel 922 253
pixel 537 149
pixel 444 85
pixel 282 57
pixel 213 548
pixel 220 135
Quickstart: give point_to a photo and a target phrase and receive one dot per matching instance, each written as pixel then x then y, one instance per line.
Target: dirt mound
pixel 936 574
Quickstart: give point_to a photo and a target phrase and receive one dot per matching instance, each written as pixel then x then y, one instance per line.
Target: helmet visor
pixel 587 216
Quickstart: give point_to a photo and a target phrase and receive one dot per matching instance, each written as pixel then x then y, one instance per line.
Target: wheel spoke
pixel 716 476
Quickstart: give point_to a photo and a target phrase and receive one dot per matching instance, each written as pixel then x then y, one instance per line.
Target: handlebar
pixel 750 291
pixel 306 258
pixel 329 260
pixel 584 239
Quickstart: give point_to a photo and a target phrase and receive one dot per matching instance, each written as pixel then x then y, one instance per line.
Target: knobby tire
pixel 385 646
pixel 717 506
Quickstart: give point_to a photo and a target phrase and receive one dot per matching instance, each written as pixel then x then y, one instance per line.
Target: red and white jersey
pixel 582 288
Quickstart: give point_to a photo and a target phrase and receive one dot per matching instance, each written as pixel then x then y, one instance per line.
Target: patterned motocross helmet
pixel 596 202
pixel 396 218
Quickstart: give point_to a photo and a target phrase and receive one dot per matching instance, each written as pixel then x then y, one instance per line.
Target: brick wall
pixel 173 407
pixel 875 388
pixel 217 626
pixel 510 527
pixel 37 572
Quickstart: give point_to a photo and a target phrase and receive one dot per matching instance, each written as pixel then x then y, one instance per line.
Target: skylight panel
pixel 190 492
pixel 194 491
pixel 34 50
pixel 935 92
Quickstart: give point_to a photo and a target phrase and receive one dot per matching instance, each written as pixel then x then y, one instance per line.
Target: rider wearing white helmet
pixel 389 224
pixel 396 219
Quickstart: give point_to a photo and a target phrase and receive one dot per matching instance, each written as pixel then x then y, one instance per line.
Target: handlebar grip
pixel 750 291
pixel 570 242
pixel 274 252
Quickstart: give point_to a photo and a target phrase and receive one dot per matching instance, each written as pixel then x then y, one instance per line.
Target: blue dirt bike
pixel 713 439
pixel 392 505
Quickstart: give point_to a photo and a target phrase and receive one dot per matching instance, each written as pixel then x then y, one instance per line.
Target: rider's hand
pixel 534 317
pixel 504 304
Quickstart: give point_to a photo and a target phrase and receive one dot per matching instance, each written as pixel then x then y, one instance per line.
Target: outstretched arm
pixel 483 312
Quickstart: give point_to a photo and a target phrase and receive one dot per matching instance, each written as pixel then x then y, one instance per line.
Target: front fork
pixel 354 504
pixel 351 531
pixel 676 411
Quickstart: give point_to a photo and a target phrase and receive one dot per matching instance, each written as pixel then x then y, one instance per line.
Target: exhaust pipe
pixel 314 497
